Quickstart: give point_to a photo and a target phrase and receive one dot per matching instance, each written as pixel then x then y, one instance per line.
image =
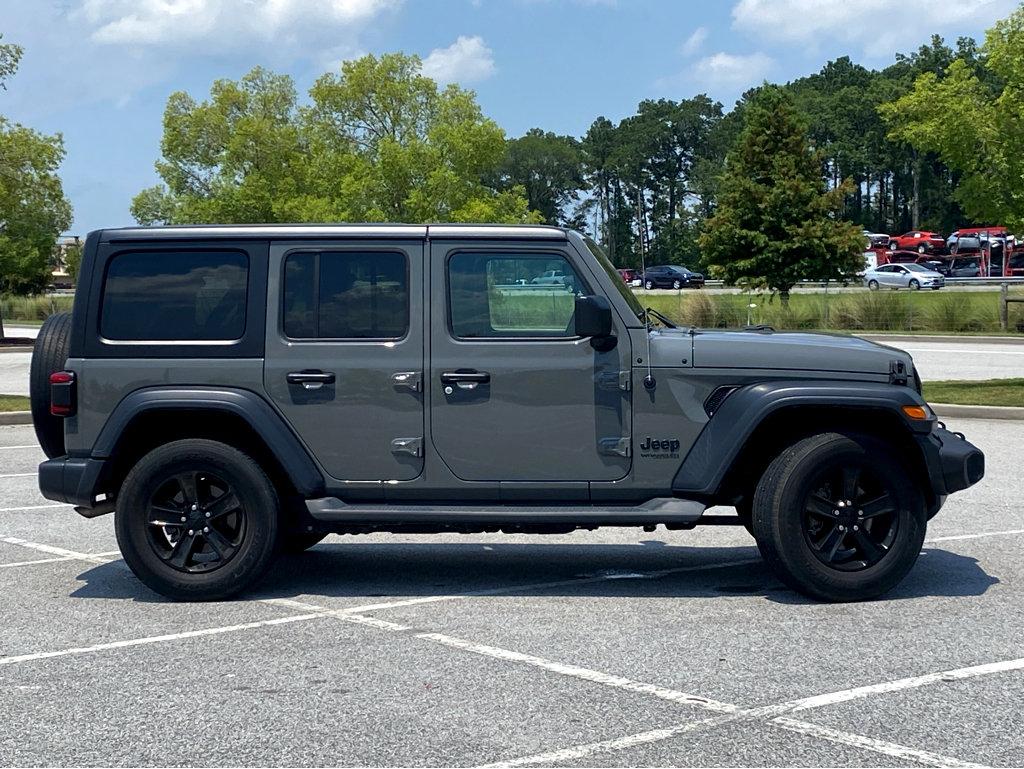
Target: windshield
pixel 614 276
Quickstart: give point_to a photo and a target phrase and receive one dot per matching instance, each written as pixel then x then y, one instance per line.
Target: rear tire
pixel 49 354
pixel 922 249
pixel 648 284
pixel 821 554
pixel 872 285
pixel 676 284
pixel 914 285
pixel 230 533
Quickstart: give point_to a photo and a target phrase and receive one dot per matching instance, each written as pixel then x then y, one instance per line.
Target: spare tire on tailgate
pixel 49 354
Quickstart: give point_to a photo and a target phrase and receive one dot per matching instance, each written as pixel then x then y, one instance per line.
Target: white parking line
pixel 56 560
pixel 7 448
pixel 729 711
pixel 19 475
pixel 914 682
pixel 71 554
pixel 957 537
pixel 31 507
pixel 158 639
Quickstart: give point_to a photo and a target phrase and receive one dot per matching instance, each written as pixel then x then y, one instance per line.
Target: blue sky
pixel 100 71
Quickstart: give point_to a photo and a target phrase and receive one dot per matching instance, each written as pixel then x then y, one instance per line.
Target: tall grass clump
pixel 954 312
pixel 33 307
pixel 874 311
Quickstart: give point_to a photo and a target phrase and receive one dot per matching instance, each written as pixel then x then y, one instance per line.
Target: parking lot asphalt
pixel 610 648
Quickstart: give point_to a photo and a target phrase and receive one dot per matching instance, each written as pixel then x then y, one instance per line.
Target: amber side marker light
pixel 916 412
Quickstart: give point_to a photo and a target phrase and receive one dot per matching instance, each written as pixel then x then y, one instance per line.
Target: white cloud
pixel 224 23
pixel 729 69
pixel 695 41
pixel 880 27
pixel 466 60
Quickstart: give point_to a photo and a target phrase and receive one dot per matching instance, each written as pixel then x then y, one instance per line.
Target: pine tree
pixel 776 222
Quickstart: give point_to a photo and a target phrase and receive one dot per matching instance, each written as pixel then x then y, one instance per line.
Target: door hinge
pixel 615 447
pixel 617 380
pixel 412 380
pixel 411 446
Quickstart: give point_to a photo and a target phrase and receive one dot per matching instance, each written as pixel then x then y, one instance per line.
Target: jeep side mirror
pixel 593 317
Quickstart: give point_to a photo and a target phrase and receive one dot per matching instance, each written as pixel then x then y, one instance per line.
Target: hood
pixel 780 351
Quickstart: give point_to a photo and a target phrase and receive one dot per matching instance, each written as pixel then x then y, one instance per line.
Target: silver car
pixel 895 276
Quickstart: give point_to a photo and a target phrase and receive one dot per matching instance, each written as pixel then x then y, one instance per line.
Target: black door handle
pixel 454 377
pixel 311 379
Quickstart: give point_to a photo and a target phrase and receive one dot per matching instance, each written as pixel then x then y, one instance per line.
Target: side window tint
pixel 512 295
pixel 175 296
pixel 346 295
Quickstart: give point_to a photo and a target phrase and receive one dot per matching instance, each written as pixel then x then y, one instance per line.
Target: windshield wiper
pixel 650 311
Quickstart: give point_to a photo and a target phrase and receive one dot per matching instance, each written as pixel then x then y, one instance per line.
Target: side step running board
pixel 662 510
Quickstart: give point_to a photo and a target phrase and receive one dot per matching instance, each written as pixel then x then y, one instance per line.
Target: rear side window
pixel 346 295
pixel 175 296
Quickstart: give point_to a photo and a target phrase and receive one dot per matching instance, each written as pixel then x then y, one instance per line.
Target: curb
pixel 25 417
pixel 953 411
pixel 948 338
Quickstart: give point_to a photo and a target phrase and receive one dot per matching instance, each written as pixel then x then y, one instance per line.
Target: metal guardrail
pixel 949 281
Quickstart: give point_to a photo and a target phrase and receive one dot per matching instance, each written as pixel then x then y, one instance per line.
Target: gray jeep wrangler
pixel 233 392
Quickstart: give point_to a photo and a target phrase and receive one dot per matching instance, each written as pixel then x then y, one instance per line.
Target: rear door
pixel 344 353
pixel 515 395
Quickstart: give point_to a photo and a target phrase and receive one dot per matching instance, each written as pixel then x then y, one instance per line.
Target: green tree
pixel 379 142
pixel 33 209
pixel 776 222
pixel 549 168
pixel 967 113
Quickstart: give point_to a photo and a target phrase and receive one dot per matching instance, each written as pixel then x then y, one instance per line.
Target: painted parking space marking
pixel 112 553
pixel 981 535
pixel 57 551
pixel 19 475
pixel 728 712
pixel 14 659
pixel 32 507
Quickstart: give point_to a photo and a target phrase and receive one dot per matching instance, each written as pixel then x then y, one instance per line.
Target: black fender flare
pixel 720 442
pixel 257 413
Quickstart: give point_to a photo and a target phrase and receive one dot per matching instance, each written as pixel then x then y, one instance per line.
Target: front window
pixel 494 295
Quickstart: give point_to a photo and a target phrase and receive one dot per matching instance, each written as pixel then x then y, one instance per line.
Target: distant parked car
pixel 936 265
pixel 627 274
pixel 965 267
pixel 918 240
pixel 672 276
pixel 876 239
pixel 901 257
pixel 895 276
pixel 964 244
pixel 554 278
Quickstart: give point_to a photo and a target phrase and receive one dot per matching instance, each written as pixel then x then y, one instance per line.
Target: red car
pixel 918 240
pixel 627 274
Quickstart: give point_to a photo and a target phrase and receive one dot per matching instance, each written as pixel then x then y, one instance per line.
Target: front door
pixel 344 354
pixel 515 395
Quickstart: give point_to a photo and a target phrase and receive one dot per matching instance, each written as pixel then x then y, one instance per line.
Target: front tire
pixel 838 517
pixel 197 520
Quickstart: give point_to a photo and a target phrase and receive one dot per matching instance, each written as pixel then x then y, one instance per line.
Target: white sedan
pixel 896 276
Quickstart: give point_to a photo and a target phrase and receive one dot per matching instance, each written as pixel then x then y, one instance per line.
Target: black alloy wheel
pixel 850 520
pixel 196 522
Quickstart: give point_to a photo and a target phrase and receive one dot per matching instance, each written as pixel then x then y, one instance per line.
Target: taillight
pixel 62 393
